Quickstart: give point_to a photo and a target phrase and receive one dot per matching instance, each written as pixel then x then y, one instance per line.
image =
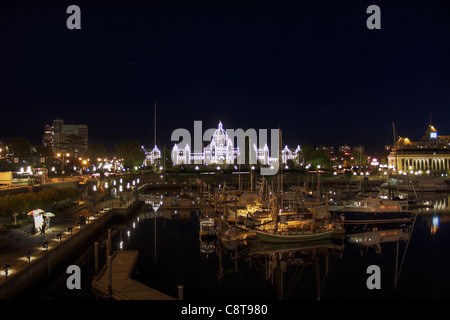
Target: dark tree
pixel 95 150
pixel 20 148
pixel 131 152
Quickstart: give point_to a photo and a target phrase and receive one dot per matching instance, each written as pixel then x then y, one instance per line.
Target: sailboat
pixel 276 232
pixel 294 236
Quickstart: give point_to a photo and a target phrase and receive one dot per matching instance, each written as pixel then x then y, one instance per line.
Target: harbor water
pixel 412 259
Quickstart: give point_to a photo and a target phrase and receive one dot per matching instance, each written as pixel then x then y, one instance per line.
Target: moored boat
pixel 293 236
pixel 416 184
pixel 374 210
pixel 207 227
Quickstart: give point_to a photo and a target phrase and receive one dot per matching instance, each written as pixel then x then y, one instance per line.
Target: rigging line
pixel 246 285
pixel 296 279
pixel 331 266
pixel 406 249
pixel 409 173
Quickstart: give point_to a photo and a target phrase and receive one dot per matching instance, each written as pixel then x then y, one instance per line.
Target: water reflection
pixel 289 267
pixel 371 236
pixel 285 271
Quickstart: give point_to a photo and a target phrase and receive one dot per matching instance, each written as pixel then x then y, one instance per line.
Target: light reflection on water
pixel 412 259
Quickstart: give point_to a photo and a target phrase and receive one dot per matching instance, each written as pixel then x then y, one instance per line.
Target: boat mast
pixel 360 168
pixel 317 198
pixel 395 148
pixel 409 173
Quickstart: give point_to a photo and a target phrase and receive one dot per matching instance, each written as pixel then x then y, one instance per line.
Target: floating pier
pixel 114 281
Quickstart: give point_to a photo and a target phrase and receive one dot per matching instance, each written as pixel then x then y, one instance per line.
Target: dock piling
pixel 96 257
pixel 110 275
pixel 180 292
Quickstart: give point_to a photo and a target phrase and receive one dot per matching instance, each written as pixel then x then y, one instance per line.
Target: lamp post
pixel 61 155
pixel 6 267
pixel 28 256
pixel 155 207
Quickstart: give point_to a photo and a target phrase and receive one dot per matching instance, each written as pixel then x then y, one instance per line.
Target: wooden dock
pixel 122 287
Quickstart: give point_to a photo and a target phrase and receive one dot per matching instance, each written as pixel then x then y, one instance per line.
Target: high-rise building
pixel 47 140
pixel 61 136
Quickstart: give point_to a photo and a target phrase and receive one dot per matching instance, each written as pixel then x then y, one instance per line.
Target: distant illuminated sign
pixel 433 135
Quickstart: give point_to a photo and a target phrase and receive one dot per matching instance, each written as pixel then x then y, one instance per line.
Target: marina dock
pixel 121 286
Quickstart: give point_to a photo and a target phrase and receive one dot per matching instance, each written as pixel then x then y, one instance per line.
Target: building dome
pixel 220 137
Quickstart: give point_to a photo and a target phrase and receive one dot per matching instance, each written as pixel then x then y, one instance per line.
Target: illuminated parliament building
pixel 221 150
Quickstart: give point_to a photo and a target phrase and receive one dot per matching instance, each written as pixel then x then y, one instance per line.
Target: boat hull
pixel 375 217
pixel 292 237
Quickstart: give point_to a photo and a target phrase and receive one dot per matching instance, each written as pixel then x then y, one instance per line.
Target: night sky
pixel 311 68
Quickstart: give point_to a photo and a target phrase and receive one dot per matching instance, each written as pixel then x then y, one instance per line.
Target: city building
pixel 48 140
pixel 62 136
pixel 345 149
pixel 430 154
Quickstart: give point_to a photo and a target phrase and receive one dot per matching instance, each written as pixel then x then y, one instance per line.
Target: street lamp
pixel 155 207
pixel 63 160
pixel 28 256
pixel 6 267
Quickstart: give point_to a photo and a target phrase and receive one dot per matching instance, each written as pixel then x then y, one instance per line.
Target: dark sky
pixel 311 68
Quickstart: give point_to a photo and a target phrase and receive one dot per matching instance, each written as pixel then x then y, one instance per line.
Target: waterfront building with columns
pixel 429 155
